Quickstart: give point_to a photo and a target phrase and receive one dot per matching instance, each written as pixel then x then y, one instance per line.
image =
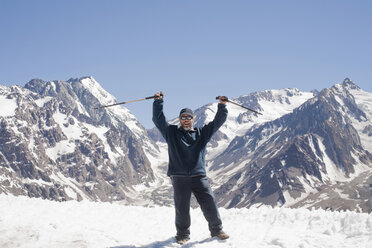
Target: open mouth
pixel 186 126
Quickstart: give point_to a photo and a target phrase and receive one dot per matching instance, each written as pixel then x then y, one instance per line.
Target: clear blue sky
pixel 193 50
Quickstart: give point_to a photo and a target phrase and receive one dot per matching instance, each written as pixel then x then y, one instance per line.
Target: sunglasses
pixel 186 118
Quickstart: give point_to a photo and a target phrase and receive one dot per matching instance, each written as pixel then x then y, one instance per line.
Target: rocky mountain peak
pixel 56 146
pixel 347 84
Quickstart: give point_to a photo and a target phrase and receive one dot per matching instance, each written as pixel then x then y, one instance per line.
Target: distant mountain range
pixel 308 149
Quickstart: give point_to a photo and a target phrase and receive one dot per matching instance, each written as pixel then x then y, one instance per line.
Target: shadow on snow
pixel 169 242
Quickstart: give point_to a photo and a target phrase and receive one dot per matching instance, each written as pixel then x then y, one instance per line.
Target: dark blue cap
pixel 186 111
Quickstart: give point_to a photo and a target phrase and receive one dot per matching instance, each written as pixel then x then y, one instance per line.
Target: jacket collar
pixel 183 130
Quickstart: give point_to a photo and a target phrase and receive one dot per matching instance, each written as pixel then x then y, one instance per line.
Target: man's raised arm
pixel 157 114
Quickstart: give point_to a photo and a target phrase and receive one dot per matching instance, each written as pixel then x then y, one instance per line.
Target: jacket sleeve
pixel 212 127
pixel 158 117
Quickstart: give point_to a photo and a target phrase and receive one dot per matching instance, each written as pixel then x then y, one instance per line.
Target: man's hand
pixel 159 95
pixel 223 99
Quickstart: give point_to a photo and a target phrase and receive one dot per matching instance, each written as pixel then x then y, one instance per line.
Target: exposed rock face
pixel 55 145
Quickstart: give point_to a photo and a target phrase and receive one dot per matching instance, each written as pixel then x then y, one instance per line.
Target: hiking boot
pixel 182 239
pixel 222 235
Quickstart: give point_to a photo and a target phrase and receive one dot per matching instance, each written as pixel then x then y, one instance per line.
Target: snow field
pixel 26 222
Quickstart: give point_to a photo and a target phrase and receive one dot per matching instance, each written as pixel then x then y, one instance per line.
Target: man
pixel 186 150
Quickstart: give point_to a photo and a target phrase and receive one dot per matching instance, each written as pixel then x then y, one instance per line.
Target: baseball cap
pixel 186 111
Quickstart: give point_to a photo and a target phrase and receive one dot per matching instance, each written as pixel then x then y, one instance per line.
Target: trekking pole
pixel 137 100
pixel 228 100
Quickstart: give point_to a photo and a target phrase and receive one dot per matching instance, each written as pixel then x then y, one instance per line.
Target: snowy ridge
pixel 40 223
pixel 96 89
pixel 120 114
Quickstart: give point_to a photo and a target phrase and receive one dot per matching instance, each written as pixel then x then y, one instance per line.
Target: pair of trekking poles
pixel 152 97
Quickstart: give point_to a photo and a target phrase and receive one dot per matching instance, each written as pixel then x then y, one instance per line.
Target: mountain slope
pixel 309 151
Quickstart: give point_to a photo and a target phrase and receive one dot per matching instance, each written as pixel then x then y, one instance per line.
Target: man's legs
pixel 204 195
pixel 182 195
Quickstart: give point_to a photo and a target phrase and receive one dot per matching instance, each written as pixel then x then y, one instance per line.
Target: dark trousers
pixel 200 187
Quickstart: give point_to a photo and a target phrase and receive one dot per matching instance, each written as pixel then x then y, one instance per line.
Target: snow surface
pixel 275 109
pixel 31 222
pixel 363 100
pixel 7 106
pixel 40 102
pixel 96 89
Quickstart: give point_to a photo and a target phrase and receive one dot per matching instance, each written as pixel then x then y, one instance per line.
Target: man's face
pixel 187 121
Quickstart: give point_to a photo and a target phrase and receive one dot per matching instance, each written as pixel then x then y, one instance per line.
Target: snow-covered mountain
pixel 318 155
pixel 55 145
pixel 308 149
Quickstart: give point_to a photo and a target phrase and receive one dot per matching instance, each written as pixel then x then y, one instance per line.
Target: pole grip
pixel 151 97
pixel 218 97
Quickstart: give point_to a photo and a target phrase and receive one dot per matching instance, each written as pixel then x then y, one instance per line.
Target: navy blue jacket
pixel 186 149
